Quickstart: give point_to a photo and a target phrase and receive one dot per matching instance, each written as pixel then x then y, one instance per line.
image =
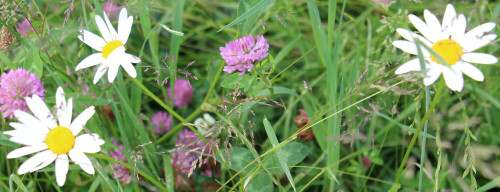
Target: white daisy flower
pixel 452 43
pixel 203 124
pixel 111 47
pixel 55 139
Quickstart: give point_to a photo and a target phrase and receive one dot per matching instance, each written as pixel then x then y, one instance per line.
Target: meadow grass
pixel 366 129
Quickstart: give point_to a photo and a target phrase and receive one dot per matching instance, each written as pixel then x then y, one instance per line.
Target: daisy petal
pixel 409 47
pixel 408 35
pixel 433 24
pixel 471 71
pixel 100 72
pixel 473 44
pixel 480 30
pixel 421 27
pixel 412 65
pixel 112 30
pixel 90 61
pixel 432 75
pixel 65 118
pixel 113 72
pixel 481 58
pixel 48 160
pixel 62 165
pixel 124 26
pixel 34 136
pixel 459 28
pixel 26 141
pixel 40 110
pixel 91 40
pixel 34 161
pixel 82 160
pixel 88 143
pixel 129 68
pixel 60 99
pixel 132 58
pixel 450 16
pixel 31 122
pixel 23 128
pixel 25 151
pixel 103 28
pixel 81 120
pixel 454 80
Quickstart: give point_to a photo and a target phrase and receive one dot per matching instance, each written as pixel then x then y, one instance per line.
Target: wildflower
pixel 182 159
pixel 111 47
pixel 110 8
pixel 203 124
pixel 15 85
pixel 450 41
pixel 24 27
pixel 162 122
pixel 119 171
pixel 55 139
pixel 183 93
pixel 242 53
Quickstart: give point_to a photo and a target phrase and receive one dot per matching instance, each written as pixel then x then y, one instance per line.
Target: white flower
pixel 451 42
pixel 111 47
pixel 55 139
pixel 202 124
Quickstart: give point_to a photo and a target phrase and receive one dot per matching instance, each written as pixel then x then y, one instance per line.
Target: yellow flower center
pixel 60 140
pixel 110 47
pixel 449 50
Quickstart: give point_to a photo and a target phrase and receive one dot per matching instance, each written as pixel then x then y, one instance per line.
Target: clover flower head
pixel 183 93
pixel 24 27
pixel 15 85
pixel 119 171
pixel 183 158
pixel 162 122
pixel 110 8
pixel 241 54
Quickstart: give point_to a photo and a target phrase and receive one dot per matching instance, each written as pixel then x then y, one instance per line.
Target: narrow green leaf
pixel 261 5
pixel 281 157
pixel 19 183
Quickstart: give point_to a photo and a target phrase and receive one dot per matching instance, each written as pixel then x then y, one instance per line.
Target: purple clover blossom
pixel 183 93
pixel 110 8
pixel 119 171
pixel 182 159
pixel 242 53
pixel 16 85
pixel 162 122
pixel 24 27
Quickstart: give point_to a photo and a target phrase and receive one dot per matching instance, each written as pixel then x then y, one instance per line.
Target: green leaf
pixel 278 90
pixel 19 183
pixel 239 158
pixel 281 156
pixel 293 153
pixel 4 140
pixel 33 63
pixel 243 7
pixel 260 183
pixel 261 5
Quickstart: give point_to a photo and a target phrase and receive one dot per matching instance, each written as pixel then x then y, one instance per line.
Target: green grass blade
pixel 261 5
pixel 274 141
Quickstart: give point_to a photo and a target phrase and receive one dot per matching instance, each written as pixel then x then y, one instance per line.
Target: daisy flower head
pixel 242 53
pixel 452 43
pixel 111 47
pixel 15 85
pixel 51 139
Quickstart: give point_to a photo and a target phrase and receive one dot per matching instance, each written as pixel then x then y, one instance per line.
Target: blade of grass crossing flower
pixel 169 176
pixel 261 5
pixel 18 182
pixel 174 50
pixel 427 103
pixel 274 141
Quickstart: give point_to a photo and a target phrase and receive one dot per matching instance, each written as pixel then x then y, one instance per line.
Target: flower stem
pixel 128 166
pixel 435 100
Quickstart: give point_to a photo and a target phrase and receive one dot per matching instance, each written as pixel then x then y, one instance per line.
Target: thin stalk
pixel 130 167
pixel 427 103
pixel 420 127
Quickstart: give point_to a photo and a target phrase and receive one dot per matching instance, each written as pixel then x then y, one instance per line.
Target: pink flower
pixel 24 27
pixel 162 122
pixel 242 53
pixel 110 8
pixel 183 93
pixel 16 85
pixel 119 171
pixel 182 159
